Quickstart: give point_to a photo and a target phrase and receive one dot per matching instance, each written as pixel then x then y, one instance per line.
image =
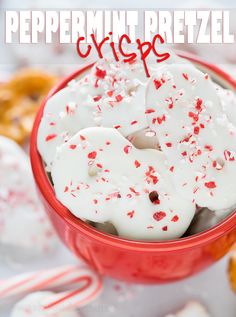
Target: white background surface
pixel 119 299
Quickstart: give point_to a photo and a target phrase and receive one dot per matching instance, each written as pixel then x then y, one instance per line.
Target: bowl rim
pixel 46 189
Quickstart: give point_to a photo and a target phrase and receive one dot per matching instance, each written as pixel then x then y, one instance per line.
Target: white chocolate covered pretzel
pixel 196 136
pixel 100 176
pixel 111 95
pixel 24 226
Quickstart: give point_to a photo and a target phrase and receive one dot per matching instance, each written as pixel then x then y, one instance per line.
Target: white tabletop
pixel 119 299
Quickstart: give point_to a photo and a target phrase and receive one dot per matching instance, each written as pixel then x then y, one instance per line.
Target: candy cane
pixel 90 287
pixel 71 299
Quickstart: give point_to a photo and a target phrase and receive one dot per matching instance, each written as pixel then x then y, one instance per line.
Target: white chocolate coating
pixel 195 135
pixel 111 95
pixel 23 223
pixel 31 306
pixel 228 102
pixel 99 176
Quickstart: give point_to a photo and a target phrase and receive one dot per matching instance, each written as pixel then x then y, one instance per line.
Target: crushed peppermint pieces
pixel 119 98
pixel 159 120
pixel 97 98
pixel 210 185
pixel 229 156
pixel 73 146
pixel 131 214
pixel 158 83
pixel 92 155
pixel 208 147
pixel 137 163
pixel 50 137
pixel 175 218
pixel 198 104
pixel 150 176
pixel 134 191
pixel 196 130
pixel 110 93
pixel 100 73
pixel 150 110
pixel 159 215
pixel 127 149
pixel 82 138
pixel 171 169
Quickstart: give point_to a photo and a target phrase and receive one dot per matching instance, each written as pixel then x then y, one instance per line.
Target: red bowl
pixel 133 261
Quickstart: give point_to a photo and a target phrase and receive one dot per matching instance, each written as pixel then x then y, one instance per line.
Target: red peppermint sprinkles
pixel 92 155
pixel 100 73
pixel 73 146
pixel 159 120
pixel 185 76
pixel 150 110
pixel 158 82
pixel 110 93
pixel 151 176
pixel 137 163
pixel 97 98
pixel 172 169
pixel 229 156
pixel 130 214
pixel 127 149
pixel 82 138
pixel 119 98
pixel 175 218
pixel 210 185
pixel 50 137
pixel 159 215
pixel 199 104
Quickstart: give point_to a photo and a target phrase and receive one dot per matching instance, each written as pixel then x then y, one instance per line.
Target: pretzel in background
pixel 20 99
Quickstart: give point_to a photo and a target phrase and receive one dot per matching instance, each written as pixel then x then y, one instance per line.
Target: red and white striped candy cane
pixel 89 286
